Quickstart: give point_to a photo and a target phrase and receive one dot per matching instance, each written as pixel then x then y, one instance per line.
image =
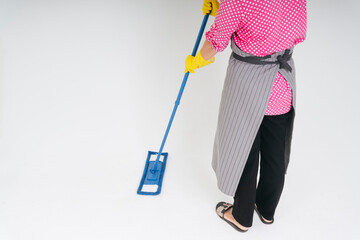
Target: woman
pixel 258 101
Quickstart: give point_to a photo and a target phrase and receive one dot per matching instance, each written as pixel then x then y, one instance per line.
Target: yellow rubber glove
pixel 210 6
pixel 192 63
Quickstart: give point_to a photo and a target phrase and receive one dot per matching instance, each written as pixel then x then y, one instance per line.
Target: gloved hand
pixel 192 63
pixel 210 5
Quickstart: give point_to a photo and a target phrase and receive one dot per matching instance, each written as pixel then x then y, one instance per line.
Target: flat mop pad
pixel 151 180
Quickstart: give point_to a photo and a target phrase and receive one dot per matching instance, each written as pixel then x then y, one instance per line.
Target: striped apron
pixel 244 100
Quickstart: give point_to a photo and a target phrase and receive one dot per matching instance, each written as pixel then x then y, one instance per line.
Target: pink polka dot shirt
pixel 262 27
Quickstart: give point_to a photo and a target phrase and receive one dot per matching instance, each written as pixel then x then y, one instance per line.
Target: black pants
pixel 270 144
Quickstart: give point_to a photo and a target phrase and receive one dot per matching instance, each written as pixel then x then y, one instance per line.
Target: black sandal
pixel 261 217
pixel 221 208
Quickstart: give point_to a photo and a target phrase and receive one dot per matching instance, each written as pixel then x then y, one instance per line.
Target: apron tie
pixel 282 60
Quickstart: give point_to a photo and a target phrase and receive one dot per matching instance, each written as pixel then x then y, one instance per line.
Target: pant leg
pixel 272 163
pixel 244 198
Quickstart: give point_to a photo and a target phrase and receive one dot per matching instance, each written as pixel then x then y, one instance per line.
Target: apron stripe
pixel 246 142
pixel 241 141
pixel 237 91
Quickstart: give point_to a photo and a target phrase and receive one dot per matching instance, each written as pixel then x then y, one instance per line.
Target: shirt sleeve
pixel 227 21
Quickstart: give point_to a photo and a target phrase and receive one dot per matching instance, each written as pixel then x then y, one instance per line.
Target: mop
pixel 154 170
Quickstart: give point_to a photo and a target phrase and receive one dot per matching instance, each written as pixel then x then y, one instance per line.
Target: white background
pixel 87 88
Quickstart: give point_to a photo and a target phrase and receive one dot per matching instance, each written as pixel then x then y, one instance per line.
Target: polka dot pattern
pixel 280 98
pixel 262 27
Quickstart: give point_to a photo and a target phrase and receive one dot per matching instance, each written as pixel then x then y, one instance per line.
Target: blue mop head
pixel 151 180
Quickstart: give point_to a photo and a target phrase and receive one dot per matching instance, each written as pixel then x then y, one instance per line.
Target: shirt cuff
pixel 215 40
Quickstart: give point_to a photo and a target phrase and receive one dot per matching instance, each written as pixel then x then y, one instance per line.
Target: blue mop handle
pixel 206 17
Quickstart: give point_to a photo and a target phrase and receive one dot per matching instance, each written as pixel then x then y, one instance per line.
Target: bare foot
pixel 228 216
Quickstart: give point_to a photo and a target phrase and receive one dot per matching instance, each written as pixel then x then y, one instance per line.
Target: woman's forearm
pixel 207 52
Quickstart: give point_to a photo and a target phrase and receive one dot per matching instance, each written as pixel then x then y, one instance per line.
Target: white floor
pixel 86 89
